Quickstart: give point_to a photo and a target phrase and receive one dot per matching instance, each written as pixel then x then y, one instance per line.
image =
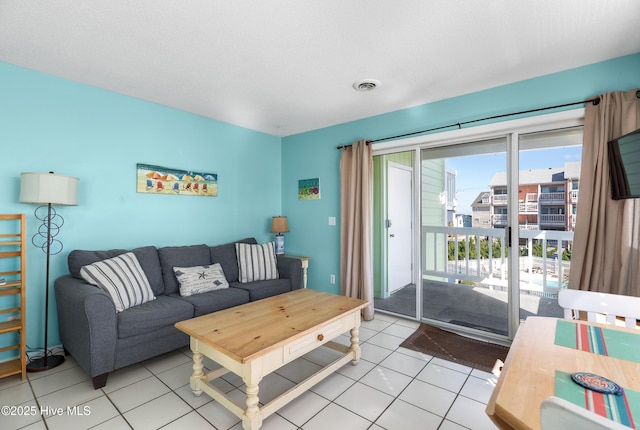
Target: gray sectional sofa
pixel 102 340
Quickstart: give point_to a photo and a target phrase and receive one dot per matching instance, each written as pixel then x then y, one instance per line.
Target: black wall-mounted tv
pixel 624 166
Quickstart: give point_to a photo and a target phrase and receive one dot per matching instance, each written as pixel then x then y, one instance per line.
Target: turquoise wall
pixel 52 124
pixel 313 154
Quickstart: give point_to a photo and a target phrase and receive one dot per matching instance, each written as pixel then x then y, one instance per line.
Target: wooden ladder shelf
pixel 13 293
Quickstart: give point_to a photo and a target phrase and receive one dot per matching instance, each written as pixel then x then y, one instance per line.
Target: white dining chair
pixel 593 303
pixel 560 414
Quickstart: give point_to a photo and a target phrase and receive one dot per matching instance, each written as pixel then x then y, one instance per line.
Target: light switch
pixel 332 220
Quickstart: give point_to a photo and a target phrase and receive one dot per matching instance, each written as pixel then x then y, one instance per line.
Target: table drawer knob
pixel 320 337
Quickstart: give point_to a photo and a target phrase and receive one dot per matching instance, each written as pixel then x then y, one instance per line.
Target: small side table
pixel 305 266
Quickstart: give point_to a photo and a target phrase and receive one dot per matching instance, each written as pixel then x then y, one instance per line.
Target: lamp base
pixel 45 363
pixel 279 244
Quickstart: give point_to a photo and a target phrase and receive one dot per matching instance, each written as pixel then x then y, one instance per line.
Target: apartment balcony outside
pixel 500 199
pixel 466 288
pixel 473 289
pixel 493 268
pixel 551 198
pixel 574 196
pixel 531 197
pixel 528 208
pixel 500 219
pixel 552 219
pixel 529 227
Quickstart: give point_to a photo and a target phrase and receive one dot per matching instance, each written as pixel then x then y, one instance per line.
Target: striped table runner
pixel 599 340
pixel 624 409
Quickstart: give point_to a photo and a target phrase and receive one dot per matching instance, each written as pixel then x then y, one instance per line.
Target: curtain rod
pixel 595 101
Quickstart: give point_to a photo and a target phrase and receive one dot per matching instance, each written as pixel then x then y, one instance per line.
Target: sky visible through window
pixel 475 172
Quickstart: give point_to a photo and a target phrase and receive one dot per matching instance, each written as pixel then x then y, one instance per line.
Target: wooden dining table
pixel 540 362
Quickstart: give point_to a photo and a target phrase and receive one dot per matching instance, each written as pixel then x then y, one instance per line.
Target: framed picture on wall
pixel 309 189
pixel 165 180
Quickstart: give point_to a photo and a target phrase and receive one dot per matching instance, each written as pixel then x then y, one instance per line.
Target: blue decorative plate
pixel 597 383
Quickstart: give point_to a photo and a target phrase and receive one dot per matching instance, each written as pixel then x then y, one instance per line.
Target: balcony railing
pixel 500 219
pixel 529 227
pixel 552 219
pixel 537 275
pixel 574 196
pixel 547 198
pixel 528 208
pixel 500 199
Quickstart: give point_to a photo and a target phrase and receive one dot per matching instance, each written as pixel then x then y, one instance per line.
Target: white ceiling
pixel 286 66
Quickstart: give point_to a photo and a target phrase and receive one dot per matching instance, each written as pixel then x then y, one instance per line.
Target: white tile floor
pixel 391 388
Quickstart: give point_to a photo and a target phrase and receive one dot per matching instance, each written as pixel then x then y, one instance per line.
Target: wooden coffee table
pixel 257 338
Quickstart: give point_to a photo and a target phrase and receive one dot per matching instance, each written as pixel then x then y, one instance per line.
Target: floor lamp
pixel 47 189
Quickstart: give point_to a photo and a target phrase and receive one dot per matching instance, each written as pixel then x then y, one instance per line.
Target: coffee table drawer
pixel 314 339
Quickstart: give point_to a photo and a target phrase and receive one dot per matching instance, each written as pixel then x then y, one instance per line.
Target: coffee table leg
pixel 197 374
pixel 355 346
pixel 252 419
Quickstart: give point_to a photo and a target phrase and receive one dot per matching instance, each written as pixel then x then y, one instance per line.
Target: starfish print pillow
pixel 200 279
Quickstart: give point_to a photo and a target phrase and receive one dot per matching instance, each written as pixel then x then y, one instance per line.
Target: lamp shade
pixel 279 224
pixel 44 188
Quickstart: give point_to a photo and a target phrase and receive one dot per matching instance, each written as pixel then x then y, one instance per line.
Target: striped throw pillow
pixel 122 278
pixel 256 262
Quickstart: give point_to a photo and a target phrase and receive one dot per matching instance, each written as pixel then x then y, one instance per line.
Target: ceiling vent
pixel 366 85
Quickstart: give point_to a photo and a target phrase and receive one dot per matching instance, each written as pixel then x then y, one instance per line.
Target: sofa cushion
pixel 163 312
pixel 216 300
pixel 147 257
pixel 262 289
pixel 256 262
pixel 122 277
pixel 200 279
pixel 226 256
pixel 79 258
pixel 180 256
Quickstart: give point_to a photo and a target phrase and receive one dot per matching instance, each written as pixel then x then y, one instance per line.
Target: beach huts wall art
pixel 309 189
pixel 165 180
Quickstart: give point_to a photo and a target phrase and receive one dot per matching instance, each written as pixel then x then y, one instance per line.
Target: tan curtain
pixel 606 255
pixel 356 223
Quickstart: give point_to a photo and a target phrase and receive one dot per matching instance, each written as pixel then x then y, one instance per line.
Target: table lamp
pixel 279 226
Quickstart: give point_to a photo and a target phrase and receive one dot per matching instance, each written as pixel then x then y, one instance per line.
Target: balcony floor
pixel 477 307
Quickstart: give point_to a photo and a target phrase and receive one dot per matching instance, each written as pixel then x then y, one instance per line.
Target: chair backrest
pixel 593 303
pixel 559 414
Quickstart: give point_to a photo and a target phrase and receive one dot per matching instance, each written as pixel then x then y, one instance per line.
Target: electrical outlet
pixel 332 279
pixel 332 220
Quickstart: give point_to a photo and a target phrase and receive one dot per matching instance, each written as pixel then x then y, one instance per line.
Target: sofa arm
pixel 290 268
pixel 88 324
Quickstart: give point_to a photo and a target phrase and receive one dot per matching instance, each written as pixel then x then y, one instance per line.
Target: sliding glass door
pixel 492 228
pixel 549 180
pixel 463 244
